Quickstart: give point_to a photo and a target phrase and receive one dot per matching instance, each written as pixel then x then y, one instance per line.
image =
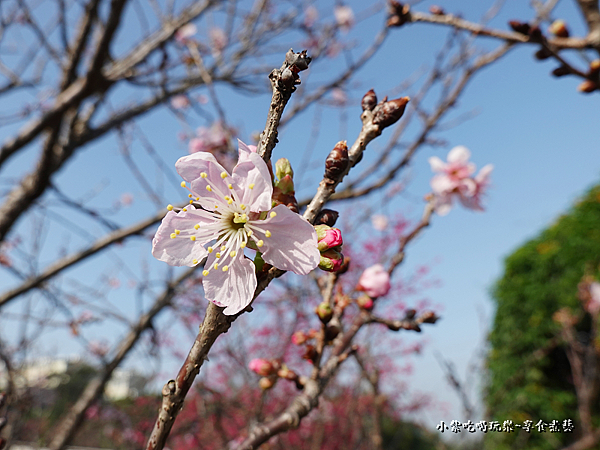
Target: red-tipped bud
pixel 428 317
pixel 266 383
pixel 588 86
pixel 365 302
pixel 369 101
pixel 299 338
pixel 559 28
pixel 561 71
pixel 262 367
pixel 520 27
pixel 436 10
pixel 331 260
pixel 337 161
pixel 327 217
pixel 324 312
pixel 283 168
pixel 328 237
pixel 388 113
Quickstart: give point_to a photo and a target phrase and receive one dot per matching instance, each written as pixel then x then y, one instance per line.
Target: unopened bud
pixel 337 161
pixel 389 113
pixel 332 331
pixel 342 301
pixel 299 338
pixel 312 333
pixel 410 313
pixel 266 383
pixel 286 184
pixel 561 71
pixel 261 367
pixel 535 33
pixel 595 67
pixel 559 28
pixel 331 260
pixel 299 61
pixel 542 53
pixel 437 10
pixel 283 168
pixel 520 27
pixel 324 312
pixel 310 354
pixel 428 317
pixel 328 237
pixel 327 217
pixel 365 302
pixel 399 14
pixel 587 86
pixel 369 101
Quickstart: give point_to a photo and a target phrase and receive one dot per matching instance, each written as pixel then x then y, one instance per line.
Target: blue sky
pixel 542 136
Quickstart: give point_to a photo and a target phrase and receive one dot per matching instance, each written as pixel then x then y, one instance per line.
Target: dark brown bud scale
pixel 369 101
pixel 337 161
pixel 542 53
pixel 535 33
pixel 561 71
pixel 388 113
pixel 327 217
pixel 520 27
pixel 410 313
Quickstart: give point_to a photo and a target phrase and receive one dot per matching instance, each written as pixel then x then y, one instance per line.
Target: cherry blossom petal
pixel 292 244
pixel 244 151
pixel 437 165
pixel 254 181
pixel 484 174
pixel 191 167
pixel 459 154
pixel 181 250
pixel 442 183
pixel 232 289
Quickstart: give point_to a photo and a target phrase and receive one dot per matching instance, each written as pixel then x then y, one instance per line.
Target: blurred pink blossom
pixel 183 35
pixel 379 222
pixel 344 17
pixel 593 305
pixel 339 96
pixel 98 348
pixel 262 367
pixel 374 281
pixel 218 39
pixel 310 16
pixel 211 139
pixel 180 102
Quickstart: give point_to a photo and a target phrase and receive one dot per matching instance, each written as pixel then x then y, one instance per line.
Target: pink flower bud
pixel 266 383
pixel 324 312
pixel 365 302
pixel 331 260
pixel 374 281
pixel 328 237
pixel 299 338
pixel 262 367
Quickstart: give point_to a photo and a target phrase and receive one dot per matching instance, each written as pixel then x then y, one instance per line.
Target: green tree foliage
pixel 529 373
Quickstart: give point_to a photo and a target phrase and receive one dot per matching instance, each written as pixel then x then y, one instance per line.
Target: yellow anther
pixel 243 207
pixel 229 202
pixel 216 266
pixel 223 175
pixel 223 248
pixel 169 207
pixel 205 272
pixel 273 214
pixel 184 210
pixel 210 249
pixel 197 198
pixel 208 188
pixel 173 235
pixel 197 226
pixel 216 206
pixel 230 186
pixel 177 232
pixel 251 185
pixel 218 254
pixel 190 195
pixel 194 261
pixel 227 197
pixel 267 233
pixel 192 238
pixel 183 184
pixel 203 175
pixel 225 268
pixel 243 245
pixel 249 232
pixel 260 243
pixel 232 253
pixel 244 217
pixel 191 201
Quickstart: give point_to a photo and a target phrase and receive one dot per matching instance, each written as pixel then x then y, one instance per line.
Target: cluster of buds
pixel 271 371
pixel 330 246
pixel 533 31
pixel 300 337
pixel 593 78
pixel 399 14
pixel 294 63
pixel 283 186
pixel 385 113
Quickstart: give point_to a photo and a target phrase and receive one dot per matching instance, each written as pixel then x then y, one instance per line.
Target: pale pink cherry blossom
pixel 482 181
pixel 218 39
pixel 210 139
pixel 374 281
pixel 180 102
pixel 344 17
pixel 379 222
pixel 311 14
pixel 232 212
pixel 184 34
